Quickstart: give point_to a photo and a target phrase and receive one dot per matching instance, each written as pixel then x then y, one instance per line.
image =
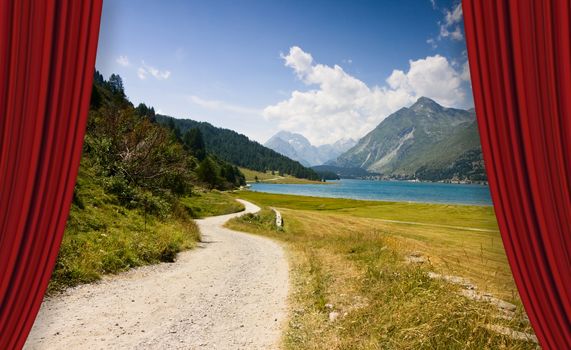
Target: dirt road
pixel 230 293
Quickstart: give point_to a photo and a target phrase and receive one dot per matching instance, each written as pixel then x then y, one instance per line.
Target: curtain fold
pixel 520 64
pixel 47 59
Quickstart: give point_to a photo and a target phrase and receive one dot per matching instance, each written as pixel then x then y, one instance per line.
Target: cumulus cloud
pixel 145 70
pixel 123 61
pixel 339 105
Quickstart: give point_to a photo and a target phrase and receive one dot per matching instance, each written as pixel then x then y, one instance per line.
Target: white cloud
pixel 216 105
pixel 450 28
pixel 465 75
pixel 454 16
pixel 432 43
pixel 123 61
pixel 146 69
pixel 433 3
pixel 340 105
pixel 142 73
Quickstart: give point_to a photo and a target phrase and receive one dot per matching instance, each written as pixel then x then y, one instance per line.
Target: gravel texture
pixel 228 293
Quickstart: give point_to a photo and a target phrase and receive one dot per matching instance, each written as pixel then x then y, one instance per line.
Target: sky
pixel 326 69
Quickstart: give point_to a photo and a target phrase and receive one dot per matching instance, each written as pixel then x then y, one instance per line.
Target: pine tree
pixel 195 142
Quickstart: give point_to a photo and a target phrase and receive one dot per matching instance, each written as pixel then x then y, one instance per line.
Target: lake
pixel 400 191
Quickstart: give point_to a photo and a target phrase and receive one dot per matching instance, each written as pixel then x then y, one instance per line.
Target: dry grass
pixel 354 266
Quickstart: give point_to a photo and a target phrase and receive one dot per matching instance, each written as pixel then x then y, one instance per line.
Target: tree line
pixel 238 149
pixel 143 162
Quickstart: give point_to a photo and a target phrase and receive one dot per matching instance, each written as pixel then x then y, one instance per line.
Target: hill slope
pixel 239 149
pixel 426 141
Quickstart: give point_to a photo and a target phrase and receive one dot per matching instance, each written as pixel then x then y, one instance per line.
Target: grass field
pixel 103 237
pixel 268 177
pixel 210 203
pixel 346 258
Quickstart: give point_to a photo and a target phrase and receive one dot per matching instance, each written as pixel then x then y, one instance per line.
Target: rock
pixel 504 305
pixel 511 333
pixel 500 304
pixel 465 283
pixel 329 306
pixel 333 316
pixel 415 258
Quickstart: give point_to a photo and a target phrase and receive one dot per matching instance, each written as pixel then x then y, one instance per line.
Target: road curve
pixel 229 293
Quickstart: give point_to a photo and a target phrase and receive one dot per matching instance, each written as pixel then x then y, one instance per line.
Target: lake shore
pixel 392 191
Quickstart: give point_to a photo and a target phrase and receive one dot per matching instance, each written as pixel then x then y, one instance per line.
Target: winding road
pixel 229 293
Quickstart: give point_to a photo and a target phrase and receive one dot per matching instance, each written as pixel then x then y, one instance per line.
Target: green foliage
pixel 131 200
pixel 105 236
pixel 208 173
pixel 116 84
pixel 144 111
pixel 237 149
pixel 195 143
pixel 327 175
pixel 468 166
pixel 426 141
pixel 211 203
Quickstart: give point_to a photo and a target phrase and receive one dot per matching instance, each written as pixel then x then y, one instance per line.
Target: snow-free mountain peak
pixel 425 141
pixel 426 105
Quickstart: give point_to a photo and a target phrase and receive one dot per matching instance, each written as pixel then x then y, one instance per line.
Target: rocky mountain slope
pixel 297 147
pixel 425 141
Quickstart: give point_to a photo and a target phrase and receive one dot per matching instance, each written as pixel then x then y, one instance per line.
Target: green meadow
pixel 352 287
pixel 105 236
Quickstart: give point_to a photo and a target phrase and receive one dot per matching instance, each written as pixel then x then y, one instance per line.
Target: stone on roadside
pixel 333 316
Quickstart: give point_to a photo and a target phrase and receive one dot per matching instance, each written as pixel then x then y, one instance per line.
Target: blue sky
pixel 326 69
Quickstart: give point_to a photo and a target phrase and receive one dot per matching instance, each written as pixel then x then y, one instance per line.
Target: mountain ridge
pixel 238 149
pixel 298 147
pixel 423 141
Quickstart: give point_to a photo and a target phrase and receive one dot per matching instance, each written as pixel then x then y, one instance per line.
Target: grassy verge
pixel 435 230
pixel 210 203
pixel 275 178
pixel 351 268
pixel 104 237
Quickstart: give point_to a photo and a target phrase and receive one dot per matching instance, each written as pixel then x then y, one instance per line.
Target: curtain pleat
pixel 47 58
pixel 520 63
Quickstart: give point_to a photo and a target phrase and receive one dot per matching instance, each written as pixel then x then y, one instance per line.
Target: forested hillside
pixel 239 149
pixel 138 188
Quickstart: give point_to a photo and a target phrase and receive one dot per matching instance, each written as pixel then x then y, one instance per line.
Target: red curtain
pixel 47 59
pixel 520 62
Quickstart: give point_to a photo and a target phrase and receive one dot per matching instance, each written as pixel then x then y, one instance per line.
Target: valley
pixel 425 142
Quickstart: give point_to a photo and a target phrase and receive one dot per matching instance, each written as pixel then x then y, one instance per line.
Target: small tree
pixel 207 173
pixel 116 84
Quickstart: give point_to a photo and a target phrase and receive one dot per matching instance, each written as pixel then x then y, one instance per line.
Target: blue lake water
pixel 400 191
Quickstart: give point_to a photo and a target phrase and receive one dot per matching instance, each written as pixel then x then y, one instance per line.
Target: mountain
pixel 297 147
pixel 425 141
pixel 238 149
pixel 343 173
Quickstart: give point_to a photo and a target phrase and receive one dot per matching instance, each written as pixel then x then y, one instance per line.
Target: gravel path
pixel 229 293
